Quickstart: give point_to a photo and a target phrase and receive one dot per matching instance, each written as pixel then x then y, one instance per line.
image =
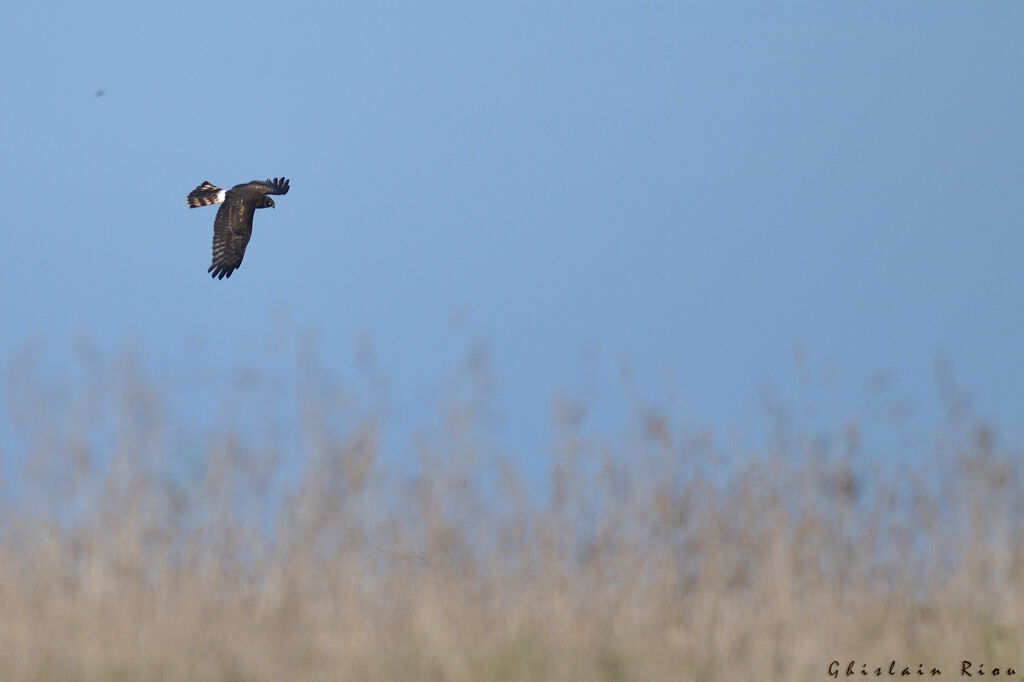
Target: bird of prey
pixel 233 225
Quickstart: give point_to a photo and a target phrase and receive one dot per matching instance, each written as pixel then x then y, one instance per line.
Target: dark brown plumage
pixel 232 227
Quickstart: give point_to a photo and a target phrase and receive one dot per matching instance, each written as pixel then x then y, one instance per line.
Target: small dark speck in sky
pixel 99 93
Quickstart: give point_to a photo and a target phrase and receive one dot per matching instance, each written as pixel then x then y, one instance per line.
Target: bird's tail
pixel 204 195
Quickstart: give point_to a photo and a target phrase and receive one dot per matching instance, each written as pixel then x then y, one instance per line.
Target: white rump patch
pixel 220 196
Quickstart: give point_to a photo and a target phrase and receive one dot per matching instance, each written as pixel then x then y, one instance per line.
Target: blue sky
pixel 690 188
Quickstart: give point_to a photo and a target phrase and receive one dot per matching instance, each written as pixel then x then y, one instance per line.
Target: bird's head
pixel 267 203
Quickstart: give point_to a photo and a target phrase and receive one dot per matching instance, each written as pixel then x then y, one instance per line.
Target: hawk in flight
pixel 233 225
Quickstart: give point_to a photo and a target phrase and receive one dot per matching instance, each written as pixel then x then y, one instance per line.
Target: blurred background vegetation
pixel 276 541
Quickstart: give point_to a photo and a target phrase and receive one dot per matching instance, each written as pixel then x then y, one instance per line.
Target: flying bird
pixel 233 225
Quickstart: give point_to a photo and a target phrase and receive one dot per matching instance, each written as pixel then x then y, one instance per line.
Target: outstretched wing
pixel 269 186
pixel 231 231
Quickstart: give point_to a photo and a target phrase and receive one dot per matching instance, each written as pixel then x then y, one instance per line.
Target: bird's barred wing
pixel 231 231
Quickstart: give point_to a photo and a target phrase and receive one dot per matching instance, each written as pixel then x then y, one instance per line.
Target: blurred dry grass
pixel 132 551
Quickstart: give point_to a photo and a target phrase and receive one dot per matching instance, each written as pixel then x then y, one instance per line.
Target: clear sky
pixel 691 188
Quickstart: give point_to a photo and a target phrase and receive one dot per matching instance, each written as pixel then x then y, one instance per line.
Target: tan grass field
pixel 657 556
